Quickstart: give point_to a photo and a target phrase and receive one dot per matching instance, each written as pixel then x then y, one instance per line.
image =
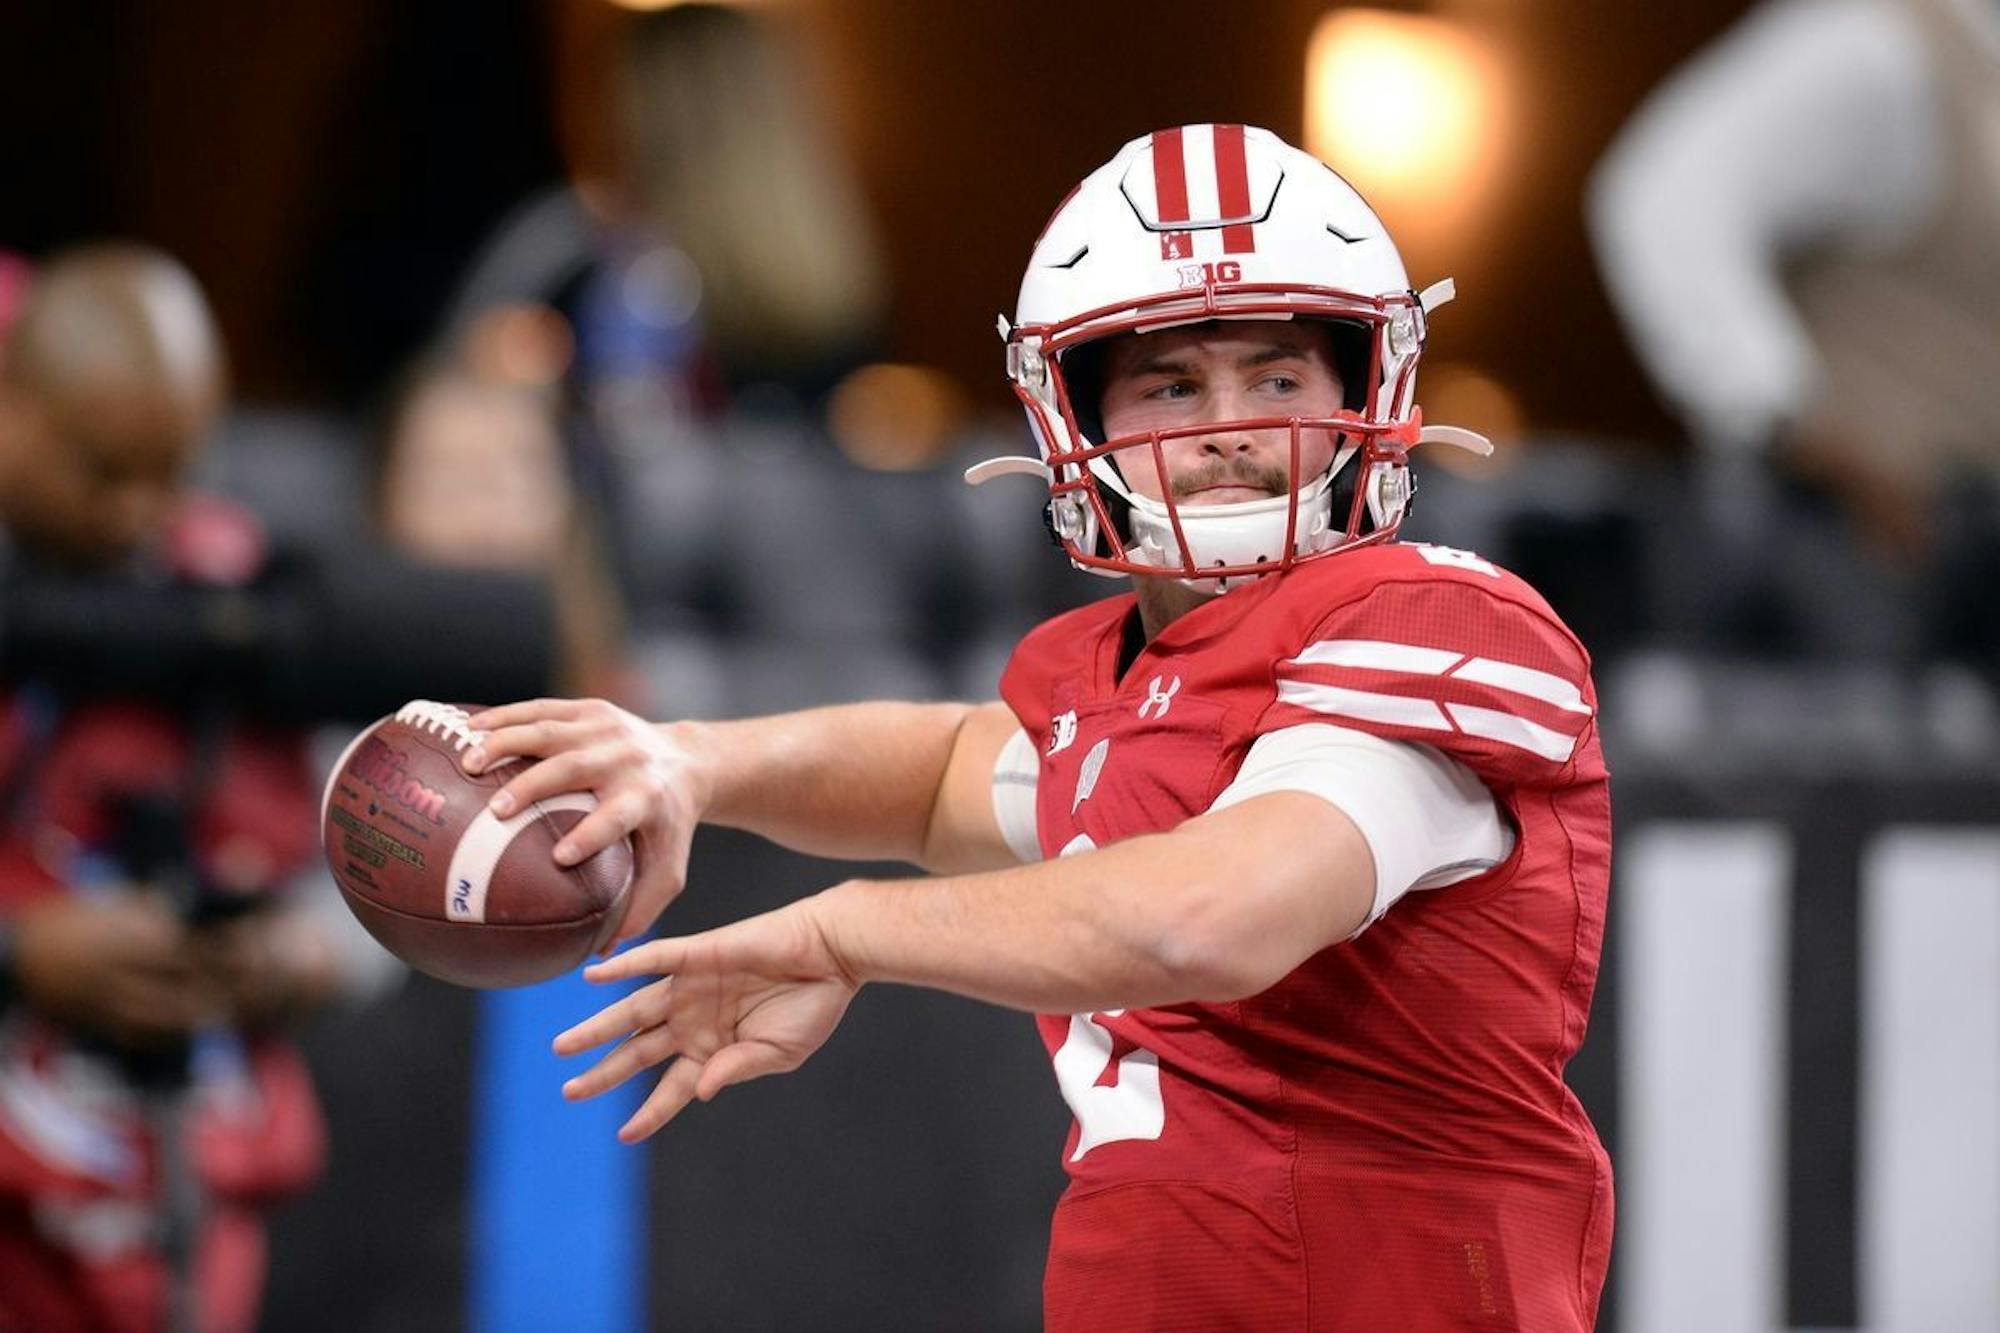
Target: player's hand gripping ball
pixel 445 885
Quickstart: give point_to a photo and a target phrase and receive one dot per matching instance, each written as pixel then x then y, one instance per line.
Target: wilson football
pixel 446 886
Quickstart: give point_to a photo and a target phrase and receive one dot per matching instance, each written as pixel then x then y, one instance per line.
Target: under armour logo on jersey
pixel 1062 732
pixel 1163 699
pixel 1086 780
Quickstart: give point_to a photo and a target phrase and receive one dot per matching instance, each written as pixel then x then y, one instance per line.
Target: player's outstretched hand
pixel 646 785
pixel 750 999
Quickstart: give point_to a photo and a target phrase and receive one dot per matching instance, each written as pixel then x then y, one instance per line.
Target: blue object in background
pixel 558 1209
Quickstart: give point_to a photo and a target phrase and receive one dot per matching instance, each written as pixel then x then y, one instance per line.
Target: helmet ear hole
pixel 1082 369
pixel 1352 344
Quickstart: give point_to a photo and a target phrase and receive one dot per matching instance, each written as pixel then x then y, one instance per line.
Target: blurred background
pixel 635 349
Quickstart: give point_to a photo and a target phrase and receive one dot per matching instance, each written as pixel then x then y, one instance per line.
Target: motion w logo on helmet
pixel 1201 177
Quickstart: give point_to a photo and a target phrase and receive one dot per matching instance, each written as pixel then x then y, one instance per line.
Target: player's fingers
pixel 642 1051
pixel 643 1008
pixel 527 710
pixel 655 957
pixel 674 1091
pixel 739 1064
pixel 615 817
pixel 541 739
pixel 566 771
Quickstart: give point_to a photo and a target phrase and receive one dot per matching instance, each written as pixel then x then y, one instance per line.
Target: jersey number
pixel 1111 1098
pixel 1451 555
pixel 1113 1094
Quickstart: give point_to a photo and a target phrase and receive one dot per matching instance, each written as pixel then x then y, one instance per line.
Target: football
pixel 446 886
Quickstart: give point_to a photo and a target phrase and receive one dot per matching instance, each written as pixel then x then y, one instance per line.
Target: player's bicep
pixel 1282 875
pixel 975 821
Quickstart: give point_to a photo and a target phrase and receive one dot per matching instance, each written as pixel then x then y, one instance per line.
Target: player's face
pixel 1221 372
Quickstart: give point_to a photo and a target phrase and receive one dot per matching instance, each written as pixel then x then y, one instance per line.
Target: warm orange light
pixel 894 418
pixel 1406 106
pixel 1455 393
pixel 647 5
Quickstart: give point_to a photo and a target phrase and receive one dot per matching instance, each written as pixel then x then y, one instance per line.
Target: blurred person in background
pixel 150 957
pixel 720 272
pixel 727 158
pixel 473 473
pixel 1801 230
pixel 729 257
pixel 1299 850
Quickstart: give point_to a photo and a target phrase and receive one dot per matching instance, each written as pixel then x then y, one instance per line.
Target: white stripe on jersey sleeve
pixel 1377 655
pixel 1511 729
pixel 1393 710
pixel 1356 659
pixel 1428 820
pixel 1016 774
pixel 1543 685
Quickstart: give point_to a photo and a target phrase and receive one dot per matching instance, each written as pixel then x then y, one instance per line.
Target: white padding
pixel 1428 820
pixel 1016 774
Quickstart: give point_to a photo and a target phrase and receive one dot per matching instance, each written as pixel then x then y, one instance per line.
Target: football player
pixel 1298 849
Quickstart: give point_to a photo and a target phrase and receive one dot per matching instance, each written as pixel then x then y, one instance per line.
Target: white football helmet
pixel 1211 222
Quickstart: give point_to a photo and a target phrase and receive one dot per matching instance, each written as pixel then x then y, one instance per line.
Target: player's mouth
pixel 1228 494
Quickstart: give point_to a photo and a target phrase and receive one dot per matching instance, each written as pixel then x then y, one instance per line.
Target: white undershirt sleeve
pixel 1015 775
pixel 1428 819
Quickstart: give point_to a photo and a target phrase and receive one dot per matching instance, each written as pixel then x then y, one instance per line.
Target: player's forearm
pixel 1008 937
pixel 858 781
pixel 1220 908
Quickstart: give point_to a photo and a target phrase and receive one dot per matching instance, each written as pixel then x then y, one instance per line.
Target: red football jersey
pixel 1383 1140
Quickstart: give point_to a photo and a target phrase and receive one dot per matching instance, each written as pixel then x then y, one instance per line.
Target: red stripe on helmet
pixel 1232 190
pixel 1170 192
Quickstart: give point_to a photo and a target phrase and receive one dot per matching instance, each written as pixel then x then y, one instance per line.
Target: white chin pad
pixel 1249 533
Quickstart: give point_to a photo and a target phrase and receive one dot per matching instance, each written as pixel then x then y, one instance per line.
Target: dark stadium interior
pixel 332 171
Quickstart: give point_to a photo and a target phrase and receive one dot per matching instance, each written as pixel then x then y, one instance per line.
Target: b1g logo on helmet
pixel 381 768
pixel 1201 275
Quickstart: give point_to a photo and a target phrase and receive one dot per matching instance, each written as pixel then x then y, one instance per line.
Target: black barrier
pixel 1816 1257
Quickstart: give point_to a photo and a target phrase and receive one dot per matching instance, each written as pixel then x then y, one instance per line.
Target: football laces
pixel 440 719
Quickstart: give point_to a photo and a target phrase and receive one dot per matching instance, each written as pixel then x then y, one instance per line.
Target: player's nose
pixel 1225 407
pixel 1228 440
